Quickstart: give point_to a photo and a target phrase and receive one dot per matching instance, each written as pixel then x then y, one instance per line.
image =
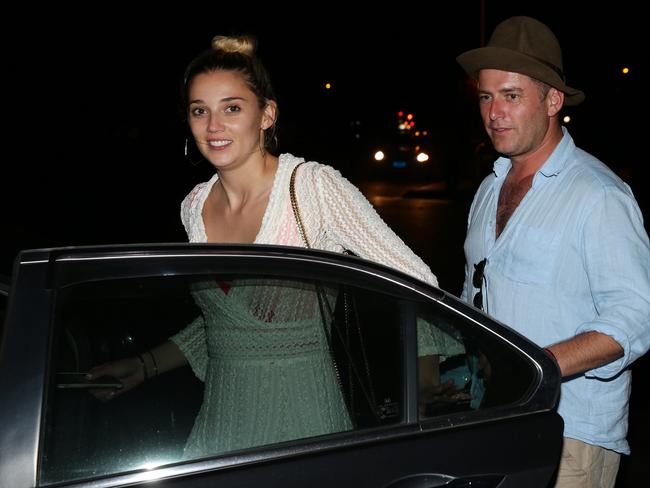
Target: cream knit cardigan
pixel 335 213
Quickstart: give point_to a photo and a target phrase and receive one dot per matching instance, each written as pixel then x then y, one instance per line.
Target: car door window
pixel 468 368
pixel 96 323
pixel 271 359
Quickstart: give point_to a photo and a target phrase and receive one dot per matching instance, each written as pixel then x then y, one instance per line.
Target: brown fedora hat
pixel 523 45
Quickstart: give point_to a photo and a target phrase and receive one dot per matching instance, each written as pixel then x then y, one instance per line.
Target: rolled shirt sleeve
pixel 617 262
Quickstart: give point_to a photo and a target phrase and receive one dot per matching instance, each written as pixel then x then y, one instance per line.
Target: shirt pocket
pixel 530 255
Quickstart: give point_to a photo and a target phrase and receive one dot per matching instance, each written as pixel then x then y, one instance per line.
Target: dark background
pixel 93 139
pixel 93 147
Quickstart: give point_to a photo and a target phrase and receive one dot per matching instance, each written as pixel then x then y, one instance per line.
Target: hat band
pixel 557 70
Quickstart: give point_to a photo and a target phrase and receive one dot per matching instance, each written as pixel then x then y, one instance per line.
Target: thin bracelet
pixel 144 368
pixel 153 360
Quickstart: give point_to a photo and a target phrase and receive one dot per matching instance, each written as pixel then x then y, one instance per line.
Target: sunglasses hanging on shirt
pixel 477 280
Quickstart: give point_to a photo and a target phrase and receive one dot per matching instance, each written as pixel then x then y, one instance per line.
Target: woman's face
pixel 225 118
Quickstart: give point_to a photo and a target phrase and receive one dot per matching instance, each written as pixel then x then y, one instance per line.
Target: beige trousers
pixel 586 466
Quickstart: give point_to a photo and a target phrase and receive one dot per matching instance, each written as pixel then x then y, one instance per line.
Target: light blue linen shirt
pixel 573 258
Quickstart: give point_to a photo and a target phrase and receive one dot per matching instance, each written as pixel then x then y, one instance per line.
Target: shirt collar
pixel 558 159
pixel 502 166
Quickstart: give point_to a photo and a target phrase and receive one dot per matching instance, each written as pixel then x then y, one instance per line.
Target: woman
pixel 264 365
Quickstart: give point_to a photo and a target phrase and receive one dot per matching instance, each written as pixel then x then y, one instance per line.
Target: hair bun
pixel 240 44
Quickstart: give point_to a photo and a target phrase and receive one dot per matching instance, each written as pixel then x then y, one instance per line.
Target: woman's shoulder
pixel 198 193
pixel 310 170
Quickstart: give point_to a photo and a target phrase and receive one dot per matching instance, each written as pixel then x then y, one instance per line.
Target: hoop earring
pixel 186 154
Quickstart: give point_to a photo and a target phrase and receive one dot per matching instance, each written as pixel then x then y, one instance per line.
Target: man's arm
pixel 584 352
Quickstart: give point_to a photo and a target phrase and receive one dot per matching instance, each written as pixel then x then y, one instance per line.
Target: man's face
pixel 515 117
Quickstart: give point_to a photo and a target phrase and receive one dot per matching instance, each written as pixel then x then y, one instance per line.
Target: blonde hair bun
pixel 240 44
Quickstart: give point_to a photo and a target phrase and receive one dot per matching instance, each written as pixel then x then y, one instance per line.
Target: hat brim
pixel 514 61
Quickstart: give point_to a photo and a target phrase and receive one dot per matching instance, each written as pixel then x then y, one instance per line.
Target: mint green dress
pixel 261 350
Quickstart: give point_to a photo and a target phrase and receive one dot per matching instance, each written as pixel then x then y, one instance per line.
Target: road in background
pixel 434 226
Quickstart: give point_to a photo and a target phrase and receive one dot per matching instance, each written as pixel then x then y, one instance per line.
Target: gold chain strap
pixel 322 300
pixel 367 390
pixel 294 206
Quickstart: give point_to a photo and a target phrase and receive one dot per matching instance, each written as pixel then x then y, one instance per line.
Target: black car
pixel 71 308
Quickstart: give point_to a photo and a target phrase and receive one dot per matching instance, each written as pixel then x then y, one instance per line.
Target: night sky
pixel 96 140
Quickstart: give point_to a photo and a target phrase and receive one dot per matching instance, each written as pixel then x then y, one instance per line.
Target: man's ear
pixel 554 101
pixel 270 114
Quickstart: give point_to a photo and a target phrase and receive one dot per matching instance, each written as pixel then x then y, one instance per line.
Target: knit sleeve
pixel 192 342
pixel 434 341
pixel 350 220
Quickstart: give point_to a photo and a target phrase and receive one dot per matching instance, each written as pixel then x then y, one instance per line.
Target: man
pixel 556 247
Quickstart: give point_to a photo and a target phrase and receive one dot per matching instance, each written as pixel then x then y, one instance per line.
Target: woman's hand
pixel 128 371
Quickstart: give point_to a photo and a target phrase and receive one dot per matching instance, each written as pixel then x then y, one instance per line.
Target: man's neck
pixel 529 163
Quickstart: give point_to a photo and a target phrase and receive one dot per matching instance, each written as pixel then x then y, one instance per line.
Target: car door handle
pixel 430 480
pixel 79 381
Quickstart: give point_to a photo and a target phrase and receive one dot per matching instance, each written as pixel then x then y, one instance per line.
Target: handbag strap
pixel 322 300
pixel 367 390
pixel 294 206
